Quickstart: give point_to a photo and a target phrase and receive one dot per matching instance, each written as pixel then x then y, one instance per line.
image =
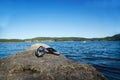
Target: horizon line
pixel 59 37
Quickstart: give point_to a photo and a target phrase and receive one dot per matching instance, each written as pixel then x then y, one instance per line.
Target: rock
pixel 26 66
pixel 35 46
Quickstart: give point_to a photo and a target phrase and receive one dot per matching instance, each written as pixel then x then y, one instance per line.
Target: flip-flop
pixel 40 51
pixel 53 51
pixel 45 49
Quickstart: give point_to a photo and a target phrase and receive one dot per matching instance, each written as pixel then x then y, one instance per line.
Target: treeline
pixel 60 38
pixel 11 40
pixel 54 39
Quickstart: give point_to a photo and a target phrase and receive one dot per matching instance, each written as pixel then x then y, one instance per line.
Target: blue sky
pixel 59 18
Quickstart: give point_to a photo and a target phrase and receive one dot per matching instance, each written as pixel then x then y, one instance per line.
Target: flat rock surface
pixel 26 66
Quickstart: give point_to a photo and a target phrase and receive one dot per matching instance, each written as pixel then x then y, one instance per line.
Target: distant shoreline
pixel 61 39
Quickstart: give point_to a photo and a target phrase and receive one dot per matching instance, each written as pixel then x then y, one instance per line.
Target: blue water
pixel 103 55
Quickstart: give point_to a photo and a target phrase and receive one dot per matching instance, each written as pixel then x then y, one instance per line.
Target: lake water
pixel 103 55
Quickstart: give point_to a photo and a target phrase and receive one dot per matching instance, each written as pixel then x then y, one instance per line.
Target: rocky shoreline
pixel 26 66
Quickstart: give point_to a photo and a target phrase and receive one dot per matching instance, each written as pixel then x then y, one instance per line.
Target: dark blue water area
pixel 103 55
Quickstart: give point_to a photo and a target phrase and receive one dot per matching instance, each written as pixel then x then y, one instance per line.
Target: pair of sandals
pixel 42 50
